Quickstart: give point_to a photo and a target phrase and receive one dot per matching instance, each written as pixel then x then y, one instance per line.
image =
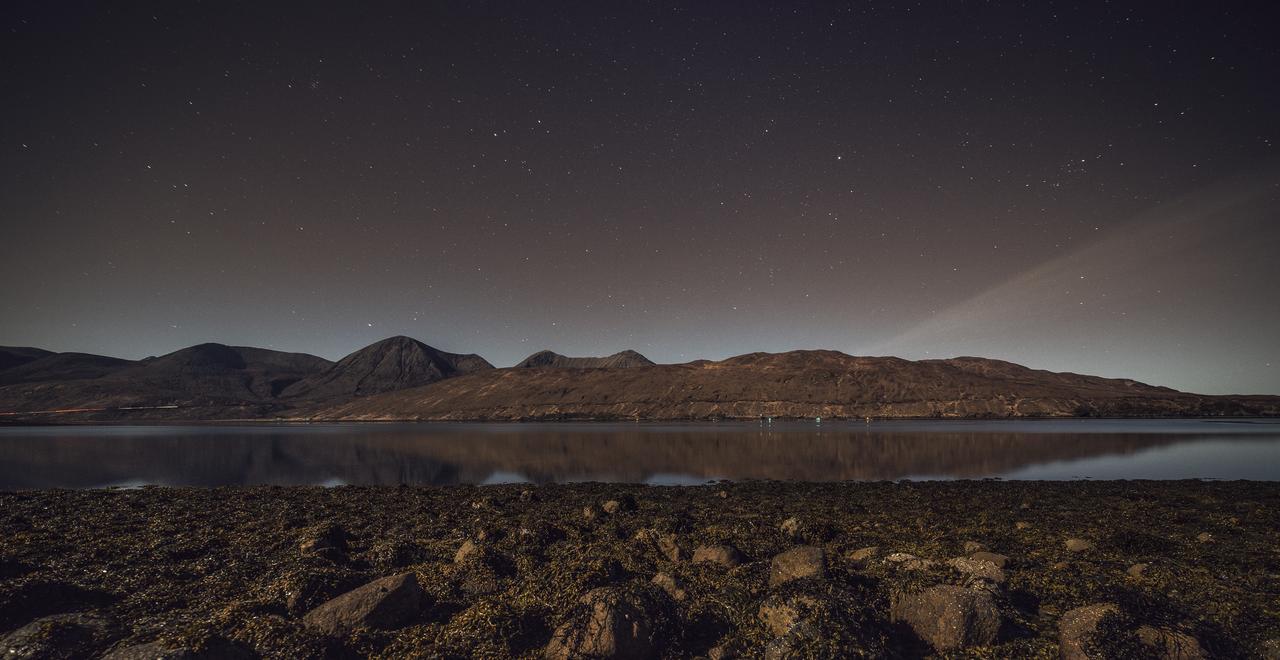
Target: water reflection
pixel 80 457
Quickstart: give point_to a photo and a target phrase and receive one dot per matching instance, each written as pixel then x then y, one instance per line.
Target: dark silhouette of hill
pixel 391 364
pixel 208 380
pixel 619 360
pixel 63 366
pixel 403 379
pixel 12 356
pixel 797 384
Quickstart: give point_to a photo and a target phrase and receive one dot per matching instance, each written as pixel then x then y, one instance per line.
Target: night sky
pixel 1088 188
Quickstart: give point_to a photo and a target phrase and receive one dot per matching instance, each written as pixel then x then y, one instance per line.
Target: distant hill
pixel 63 366
pixel 404 379
pixel 620 360
pixel 205 381
pixel 797 384
pixel 12 356
pixel 391 364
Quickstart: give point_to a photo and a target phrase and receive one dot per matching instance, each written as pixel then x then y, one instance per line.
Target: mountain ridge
pixel 400 378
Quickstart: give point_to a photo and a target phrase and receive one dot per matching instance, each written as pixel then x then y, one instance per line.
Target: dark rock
pixel 800 562
pixel 1076 629
pixel 384 603
pixel 722 555
pixel 215 648
pixel 57 636
pixel 611 623
pixel 948 616
pixel 328 541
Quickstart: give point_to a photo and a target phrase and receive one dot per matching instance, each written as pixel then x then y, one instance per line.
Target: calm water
pixel 97 456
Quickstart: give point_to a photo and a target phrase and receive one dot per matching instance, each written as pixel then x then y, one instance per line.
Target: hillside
pixel 801 384
pixel 391 364
pixel 619 360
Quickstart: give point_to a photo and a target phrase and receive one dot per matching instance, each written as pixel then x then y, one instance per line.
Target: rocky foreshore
pixel 754 569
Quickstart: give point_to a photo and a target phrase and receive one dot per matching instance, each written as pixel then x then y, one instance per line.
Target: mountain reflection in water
pixel 373 454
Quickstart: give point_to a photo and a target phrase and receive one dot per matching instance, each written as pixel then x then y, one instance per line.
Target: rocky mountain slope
pixel 803 384
pixel 619 360
pixel 391 364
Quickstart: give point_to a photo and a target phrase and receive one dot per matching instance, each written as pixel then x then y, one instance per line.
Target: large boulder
pixel 948 616
pixel 1077 627
pixel 799 562
pixel 385 603
pixel 611 623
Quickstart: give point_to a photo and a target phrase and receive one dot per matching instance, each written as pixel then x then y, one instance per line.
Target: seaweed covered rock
pixel 978 569
pixel 385 603
pixel 1077 627
pixel 800 562
pixel 215 648
pixel 999 560
pixel 1170 644
pixel 948 616
pixel 328 541
pixel 57 636
pixel 725 556
pixel 611 622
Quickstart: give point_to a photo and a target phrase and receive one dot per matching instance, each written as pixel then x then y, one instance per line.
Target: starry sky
pixel 1090 187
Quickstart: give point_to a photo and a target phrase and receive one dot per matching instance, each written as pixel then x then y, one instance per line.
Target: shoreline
pixel 287 421
pixel 513 570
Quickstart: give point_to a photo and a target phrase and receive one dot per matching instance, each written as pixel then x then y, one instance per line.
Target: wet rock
pixel 215 648
pixel 978 568
pixel 792 528
pixel 327 541
pixel 303 590
pixel 1138 571
pixel 385 603
pixel 800 562
pixel 909 561
pixel 1171 644
pixel 57 636
pixel 971 547
pixel 1079 545
pixel 726 556
pixel 948 616
pixel 998 559
pixel 1076 628
pixel 612 623
pixel 863 555
pixel 781 614
pixel 669 584
pixel 468 550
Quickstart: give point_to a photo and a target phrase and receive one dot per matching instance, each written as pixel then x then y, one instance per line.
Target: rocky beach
pixel 1179 569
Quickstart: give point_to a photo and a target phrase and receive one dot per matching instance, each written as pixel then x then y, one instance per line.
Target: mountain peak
pixel 393 363
pixel 553 360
